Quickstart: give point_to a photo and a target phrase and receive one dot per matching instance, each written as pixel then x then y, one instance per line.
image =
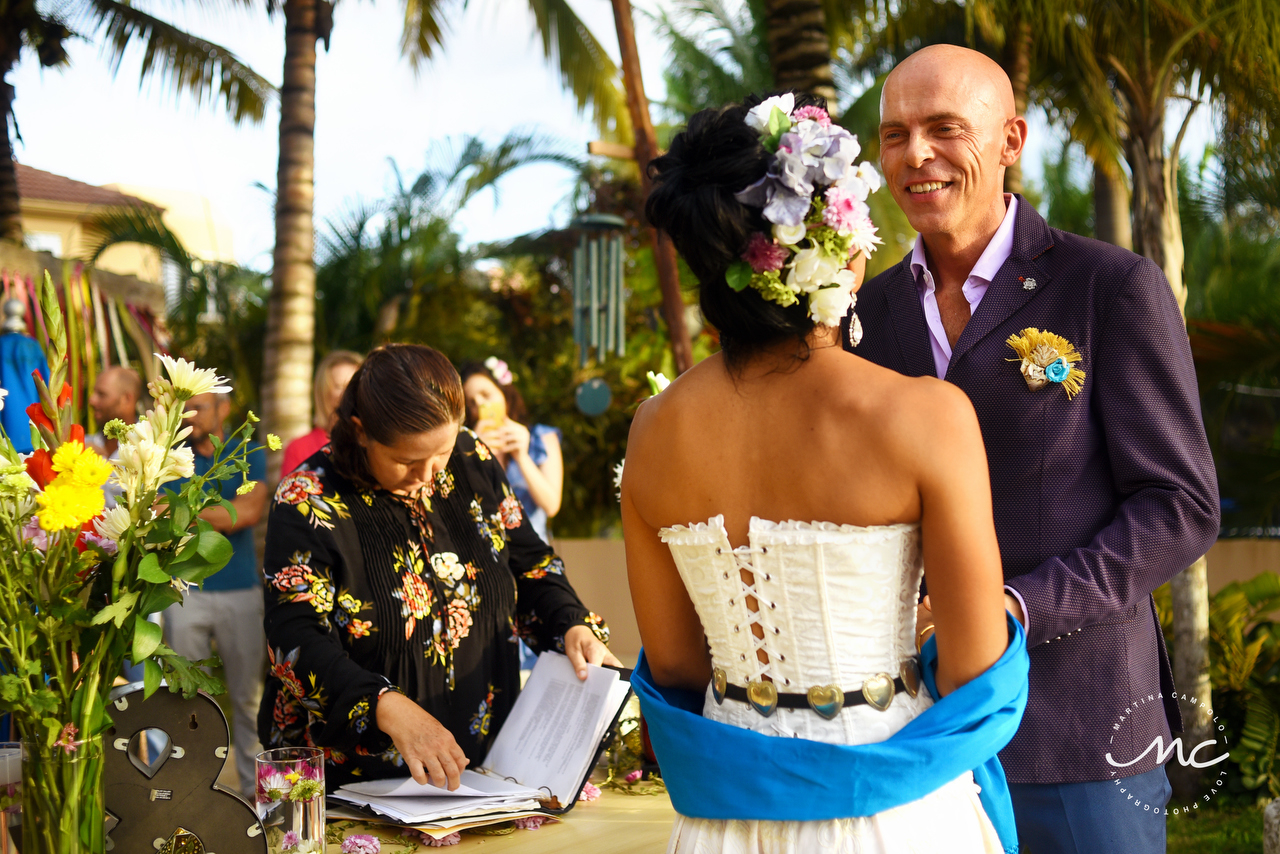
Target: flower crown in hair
pixel 501 372
pixel 816 199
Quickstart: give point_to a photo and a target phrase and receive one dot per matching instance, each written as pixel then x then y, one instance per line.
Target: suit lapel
pixel 909 328
pixel 1008 292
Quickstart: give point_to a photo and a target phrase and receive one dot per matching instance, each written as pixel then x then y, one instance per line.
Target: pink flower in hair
pixel 844 211
pixel 813 114
pixel 763 254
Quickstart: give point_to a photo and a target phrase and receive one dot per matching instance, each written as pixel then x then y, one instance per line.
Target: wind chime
pixel 599 301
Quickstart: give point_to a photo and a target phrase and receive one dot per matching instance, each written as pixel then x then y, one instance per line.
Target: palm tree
pixel 182 61
pixel 800 47
pixel 585 70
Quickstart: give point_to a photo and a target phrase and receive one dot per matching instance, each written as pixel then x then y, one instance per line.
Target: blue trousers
pixel 1094 817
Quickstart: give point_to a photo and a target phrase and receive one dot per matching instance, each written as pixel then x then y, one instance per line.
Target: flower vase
pixel 63 799
pixel 290 799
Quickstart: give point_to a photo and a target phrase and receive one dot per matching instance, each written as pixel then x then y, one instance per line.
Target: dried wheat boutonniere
pixel 1047 358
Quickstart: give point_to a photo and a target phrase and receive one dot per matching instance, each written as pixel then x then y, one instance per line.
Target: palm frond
pixel 586 69
pixel 136 224
pixel 185 63
pixel 424 27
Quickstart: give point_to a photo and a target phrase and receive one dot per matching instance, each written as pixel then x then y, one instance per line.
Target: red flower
pixel 65 396
pixel 77 434
pixel 36 413
pixel 40 466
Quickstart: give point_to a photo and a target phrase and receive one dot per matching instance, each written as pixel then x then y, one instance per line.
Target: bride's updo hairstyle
pixel 716 155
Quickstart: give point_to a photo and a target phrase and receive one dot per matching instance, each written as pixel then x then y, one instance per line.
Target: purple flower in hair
pixel 763 254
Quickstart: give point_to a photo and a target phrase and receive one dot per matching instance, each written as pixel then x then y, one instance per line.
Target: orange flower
pixel 36 413
pixel 40 466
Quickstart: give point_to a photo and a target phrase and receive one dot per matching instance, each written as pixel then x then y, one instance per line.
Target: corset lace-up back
pixel 803 605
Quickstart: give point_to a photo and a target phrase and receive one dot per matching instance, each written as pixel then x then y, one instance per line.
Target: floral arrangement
pixel 815 197
pixel 77 581
pixel 1047 358
pixel 303 783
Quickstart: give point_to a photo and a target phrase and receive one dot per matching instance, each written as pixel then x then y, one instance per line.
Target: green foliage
pixel 1219 830
pixel 1244 651
pixel 1069 201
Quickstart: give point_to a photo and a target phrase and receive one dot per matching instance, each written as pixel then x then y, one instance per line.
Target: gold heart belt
pixel 877 691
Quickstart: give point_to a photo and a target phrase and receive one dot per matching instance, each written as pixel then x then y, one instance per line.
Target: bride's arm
pixel 961 556
pixel 674 643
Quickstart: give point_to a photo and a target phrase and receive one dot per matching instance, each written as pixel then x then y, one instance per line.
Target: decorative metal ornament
pixel 910 673
pixel 599 295
pixel 826 700
pixel 878 691
pixel 855 330
pixel 1028 284
pixel 161 765
pixel 762 696
pixel 719 684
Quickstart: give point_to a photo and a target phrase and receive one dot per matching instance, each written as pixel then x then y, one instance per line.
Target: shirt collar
pixel 992 258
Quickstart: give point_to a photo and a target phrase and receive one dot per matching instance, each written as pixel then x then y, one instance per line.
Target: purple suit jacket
pixel 1098 500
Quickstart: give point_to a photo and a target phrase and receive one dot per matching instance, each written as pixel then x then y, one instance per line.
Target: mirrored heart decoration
pixel 878 691
pixel 719 684
pixel 826 700
pixel 762 696
pixel 910 672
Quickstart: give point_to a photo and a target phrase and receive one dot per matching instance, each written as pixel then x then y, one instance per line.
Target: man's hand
pixel 1013 606
pixel 430 751
pixel 583 648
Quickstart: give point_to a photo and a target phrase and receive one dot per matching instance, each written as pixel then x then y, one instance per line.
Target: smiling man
pixel 1075 357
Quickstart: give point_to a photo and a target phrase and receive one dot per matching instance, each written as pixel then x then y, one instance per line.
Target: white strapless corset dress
pixel 835 606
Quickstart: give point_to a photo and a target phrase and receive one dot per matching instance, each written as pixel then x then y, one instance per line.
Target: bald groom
pixel 1102 490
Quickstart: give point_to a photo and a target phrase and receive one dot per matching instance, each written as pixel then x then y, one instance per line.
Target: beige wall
pixel 68 222
pixel 598 571
pixel 204 232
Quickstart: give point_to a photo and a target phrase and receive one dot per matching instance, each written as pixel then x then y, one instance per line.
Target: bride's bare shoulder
pixel 909 407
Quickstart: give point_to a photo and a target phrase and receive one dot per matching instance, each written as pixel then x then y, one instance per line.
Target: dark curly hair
pixel 715 156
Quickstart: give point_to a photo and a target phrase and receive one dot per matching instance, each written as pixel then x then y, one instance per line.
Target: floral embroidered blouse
pixel 366 590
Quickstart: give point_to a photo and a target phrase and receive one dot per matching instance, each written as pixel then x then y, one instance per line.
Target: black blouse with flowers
pixel 367 590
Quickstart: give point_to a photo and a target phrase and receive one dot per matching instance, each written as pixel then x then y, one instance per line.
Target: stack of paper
pixel 540 758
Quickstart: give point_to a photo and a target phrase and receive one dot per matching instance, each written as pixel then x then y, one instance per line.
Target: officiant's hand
pixel 583 648
pixel 429 750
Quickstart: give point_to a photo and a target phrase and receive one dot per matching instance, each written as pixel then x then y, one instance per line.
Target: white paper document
pixel 544 749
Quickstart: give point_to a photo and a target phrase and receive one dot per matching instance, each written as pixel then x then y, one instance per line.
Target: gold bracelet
pixel 920 638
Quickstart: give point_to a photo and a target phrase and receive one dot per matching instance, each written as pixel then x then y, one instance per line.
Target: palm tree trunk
pixel 291 318
pixel 1157 235
pixel 664 251
pixel 799 48
pixel 1111 217
pixel 10 210
pixel 1017 64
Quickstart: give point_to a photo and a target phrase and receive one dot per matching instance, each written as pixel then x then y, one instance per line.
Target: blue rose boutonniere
pixel 1047 358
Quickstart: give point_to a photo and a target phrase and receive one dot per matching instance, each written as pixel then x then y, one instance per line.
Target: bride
pixel 782 500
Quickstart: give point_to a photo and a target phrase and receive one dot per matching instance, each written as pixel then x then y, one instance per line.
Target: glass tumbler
pixel 290 799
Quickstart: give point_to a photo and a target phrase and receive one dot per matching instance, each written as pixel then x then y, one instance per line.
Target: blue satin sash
pixel 716 771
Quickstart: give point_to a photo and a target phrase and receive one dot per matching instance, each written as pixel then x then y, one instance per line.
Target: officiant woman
pixel 400 570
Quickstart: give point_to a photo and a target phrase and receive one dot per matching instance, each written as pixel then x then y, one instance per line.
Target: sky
pixel 371 110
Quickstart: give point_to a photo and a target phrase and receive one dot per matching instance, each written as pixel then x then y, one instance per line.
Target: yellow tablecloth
pixel 615 824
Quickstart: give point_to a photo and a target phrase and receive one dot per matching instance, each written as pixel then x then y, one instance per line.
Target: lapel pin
pixel 1028 284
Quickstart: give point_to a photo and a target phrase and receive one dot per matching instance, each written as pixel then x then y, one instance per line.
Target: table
pixel 615 824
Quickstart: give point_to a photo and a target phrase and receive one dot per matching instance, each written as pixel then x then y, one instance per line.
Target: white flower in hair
pixel 811 269
pixel 789 235
pixel 758 118
pixel 828 306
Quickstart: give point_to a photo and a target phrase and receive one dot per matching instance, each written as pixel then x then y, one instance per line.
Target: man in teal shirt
pixel 228 610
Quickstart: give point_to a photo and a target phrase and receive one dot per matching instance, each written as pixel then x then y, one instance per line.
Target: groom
pixel 1101 494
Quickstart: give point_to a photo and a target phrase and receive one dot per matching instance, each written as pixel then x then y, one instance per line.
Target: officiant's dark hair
pixel 715 156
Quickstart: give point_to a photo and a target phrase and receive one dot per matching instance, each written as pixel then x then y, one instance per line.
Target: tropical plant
pixel 1244 644
pixel 217 314
pixel 80 580
pixel 585 70
pixel 180 60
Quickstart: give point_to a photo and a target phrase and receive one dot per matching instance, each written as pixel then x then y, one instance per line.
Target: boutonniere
pixel 1047 358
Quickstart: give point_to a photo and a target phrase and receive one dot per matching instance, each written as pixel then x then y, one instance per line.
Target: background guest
pixel 116 394
pixel 530 456
pixel 227 612
pixel 20 354
pixel 332 375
